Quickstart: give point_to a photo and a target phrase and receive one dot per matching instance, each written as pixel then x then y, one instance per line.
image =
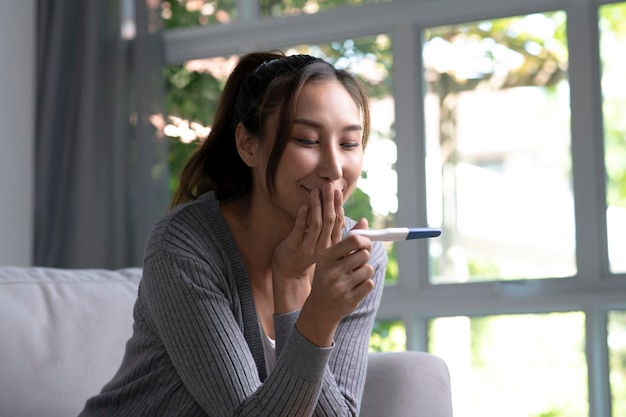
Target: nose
pixel 330 167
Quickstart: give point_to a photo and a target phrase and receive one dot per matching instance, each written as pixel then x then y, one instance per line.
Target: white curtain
pixel 101 164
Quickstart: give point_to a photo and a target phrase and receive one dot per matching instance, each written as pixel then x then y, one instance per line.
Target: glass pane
pixel 376 198
pixel 514 365
pixel 293 7
pixel 185 13
pixel 617 358
pixel 388 336
pixel 612 46
pixel 498 149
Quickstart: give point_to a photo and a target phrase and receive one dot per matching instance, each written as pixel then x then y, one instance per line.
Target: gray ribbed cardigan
pixel 196 347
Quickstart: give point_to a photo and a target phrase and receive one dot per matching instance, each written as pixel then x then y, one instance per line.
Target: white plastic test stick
pixel 397 233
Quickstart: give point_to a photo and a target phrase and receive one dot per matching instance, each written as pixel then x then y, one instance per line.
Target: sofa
pixel 63 333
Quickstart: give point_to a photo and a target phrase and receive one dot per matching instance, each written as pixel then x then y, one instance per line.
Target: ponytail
pixel 215 164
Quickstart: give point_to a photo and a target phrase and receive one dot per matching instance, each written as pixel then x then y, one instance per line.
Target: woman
pixel 254 300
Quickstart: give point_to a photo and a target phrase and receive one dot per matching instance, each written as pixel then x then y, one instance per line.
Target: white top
pixel 269 351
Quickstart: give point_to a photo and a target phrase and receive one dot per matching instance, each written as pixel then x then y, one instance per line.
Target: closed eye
pixel 307 142
pixel 350 145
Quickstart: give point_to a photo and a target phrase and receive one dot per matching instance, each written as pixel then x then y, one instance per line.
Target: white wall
pixel 17 114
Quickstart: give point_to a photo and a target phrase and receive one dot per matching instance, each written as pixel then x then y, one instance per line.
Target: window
pixel 501 125
pixel 498 149
pixel 533 364
pixel 612 41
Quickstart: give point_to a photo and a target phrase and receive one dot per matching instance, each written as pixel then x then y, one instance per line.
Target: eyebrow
pixel 314 124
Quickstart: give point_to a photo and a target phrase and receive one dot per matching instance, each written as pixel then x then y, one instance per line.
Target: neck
pixel 257 229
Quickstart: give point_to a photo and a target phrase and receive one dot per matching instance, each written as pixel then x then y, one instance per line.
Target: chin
pixel 347 194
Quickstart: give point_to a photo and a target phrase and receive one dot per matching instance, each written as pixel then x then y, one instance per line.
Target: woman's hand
pixel 317 227
pixel 342 279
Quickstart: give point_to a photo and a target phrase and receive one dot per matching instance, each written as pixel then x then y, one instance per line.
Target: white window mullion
pixel 416 332
pixel 587 140
pixel 248 9
pixel 598 363
pixel 410 166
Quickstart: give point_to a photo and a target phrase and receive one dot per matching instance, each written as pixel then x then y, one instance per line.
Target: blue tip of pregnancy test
pixel 422 232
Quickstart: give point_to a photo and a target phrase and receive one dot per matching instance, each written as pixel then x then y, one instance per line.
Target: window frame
pixel 594 290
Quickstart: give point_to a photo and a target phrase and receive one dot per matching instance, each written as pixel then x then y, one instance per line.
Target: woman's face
pixel 324 146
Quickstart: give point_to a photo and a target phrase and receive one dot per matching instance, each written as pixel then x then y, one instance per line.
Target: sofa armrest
pixel 406 384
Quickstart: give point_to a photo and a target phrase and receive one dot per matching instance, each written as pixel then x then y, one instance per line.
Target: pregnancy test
pixel 397 233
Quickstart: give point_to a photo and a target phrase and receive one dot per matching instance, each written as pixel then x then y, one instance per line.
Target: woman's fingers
pixel 287 255
pixel 314 220
pixel 364 286
pixel 328 215
pixel 299 228
pixel 325 218
pixel 348 259
pixel 361 224
pixel 343 277
pixel 338 227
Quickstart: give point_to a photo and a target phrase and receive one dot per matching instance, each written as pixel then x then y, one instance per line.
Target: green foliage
pixel 358 206
pixel 346 53
pixel 291 7
pixel 550 413
pixel 617 357
pixel 393 269
pixel 479 329
pixel 177 155
pixel 615 168
pixel 192 95
pixel 388 336
pixel 612 18
pixel 543 58
pixel 185 13
pixel 483 269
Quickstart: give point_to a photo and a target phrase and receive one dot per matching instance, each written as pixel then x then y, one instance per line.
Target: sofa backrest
pixel 62 336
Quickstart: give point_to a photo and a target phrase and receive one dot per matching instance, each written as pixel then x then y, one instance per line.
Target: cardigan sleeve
pixel 346 370
pixel 344 376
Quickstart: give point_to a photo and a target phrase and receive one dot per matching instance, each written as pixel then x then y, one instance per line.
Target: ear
pixel 247 146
